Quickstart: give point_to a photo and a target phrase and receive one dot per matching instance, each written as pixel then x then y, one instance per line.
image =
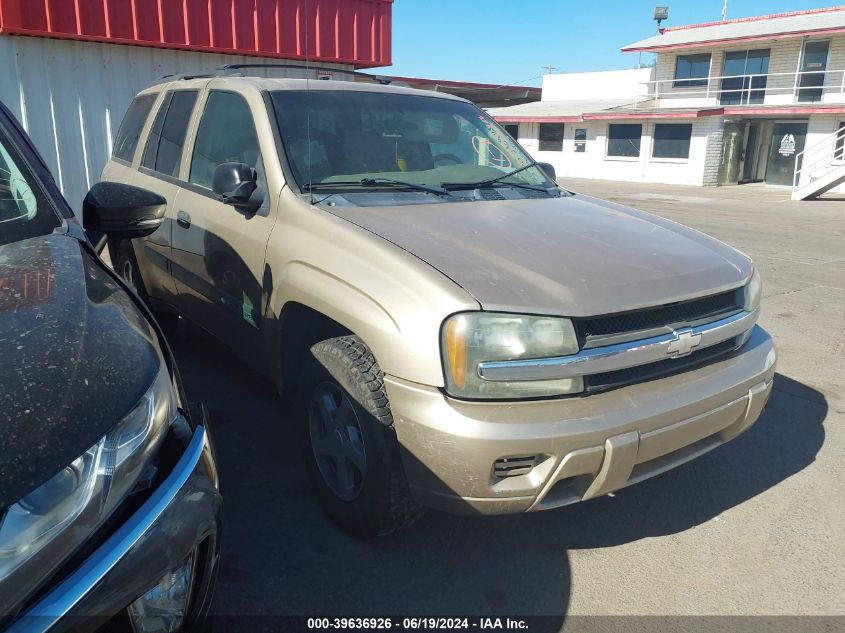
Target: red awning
pixel 356 32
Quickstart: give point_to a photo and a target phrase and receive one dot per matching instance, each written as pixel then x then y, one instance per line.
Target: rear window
pixel 130 129
pixel 167 136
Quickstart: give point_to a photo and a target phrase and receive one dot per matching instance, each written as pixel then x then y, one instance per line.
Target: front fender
pixel 410 350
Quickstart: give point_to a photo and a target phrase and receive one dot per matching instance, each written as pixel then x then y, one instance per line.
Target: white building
pixel 745 100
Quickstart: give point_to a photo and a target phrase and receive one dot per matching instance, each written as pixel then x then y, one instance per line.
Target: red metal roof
pixel 356 32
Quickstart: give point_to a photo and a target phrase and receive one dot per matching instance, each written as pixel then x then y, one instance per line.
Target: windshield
pixel 24 210
pixel 333 137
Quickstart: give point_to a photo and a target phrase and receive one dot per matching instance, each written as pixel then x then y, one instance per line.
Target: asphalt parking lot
pixel 755 527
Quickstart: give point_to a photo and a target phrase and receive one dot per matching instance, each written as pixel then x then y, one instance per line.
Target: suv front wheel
pixel 350 443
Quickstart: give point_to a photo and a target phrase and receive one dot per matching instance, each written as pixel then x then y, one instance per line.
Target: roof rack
pixel 181 77
pixel 234 70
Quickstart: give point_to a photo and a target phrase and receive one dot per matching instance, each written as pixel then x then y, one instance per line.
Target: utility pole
pixel 550 68
pixel 724 10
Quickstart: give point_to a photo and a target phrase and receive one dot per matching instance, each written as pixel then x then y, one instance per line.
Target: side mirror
pixel 549 170
pixel 123 211
pixel 237 185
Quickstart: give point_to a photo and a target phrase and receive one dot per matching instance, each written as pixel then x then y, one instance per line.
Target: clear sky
pixel 508 41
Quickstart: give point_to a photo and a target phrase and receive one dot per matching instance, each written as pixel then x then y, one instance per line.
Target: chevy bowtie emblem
pixel 683 343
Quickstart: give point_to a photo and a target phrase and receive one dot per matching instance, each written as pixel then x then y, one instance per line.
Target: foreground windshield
pixel 24 210
pixel 348 136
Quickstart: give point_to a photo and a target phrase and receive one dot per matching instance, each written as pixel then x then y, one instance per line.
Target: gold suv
pixel 457 330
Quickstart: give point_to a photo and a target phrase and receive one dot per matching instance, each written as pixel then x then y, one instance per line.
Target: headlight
pixel 86 491
pixel 752 292
pixel 471 338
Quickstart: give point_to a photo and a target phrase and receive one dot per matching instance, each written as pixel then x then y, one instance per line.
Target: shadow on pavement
pixel 281 556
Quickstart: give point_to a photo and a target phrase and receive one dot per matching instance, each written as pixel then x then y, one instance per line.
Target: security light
pixel 660 14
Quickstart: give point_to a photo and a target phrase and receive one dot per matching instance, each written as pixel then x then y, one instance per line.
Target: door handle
pixel 183 219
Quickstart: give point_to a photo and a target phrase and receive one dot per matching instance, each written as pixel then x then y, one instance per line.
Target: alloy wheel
pixel 336 440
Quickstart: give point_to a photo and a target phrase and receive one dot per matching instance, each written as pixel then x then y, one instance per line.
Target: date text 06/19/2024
pixel 417 624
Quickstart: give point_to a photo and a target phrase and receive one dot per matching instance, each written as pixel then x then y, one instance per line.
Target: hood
pixel 569 256
pixel 76 355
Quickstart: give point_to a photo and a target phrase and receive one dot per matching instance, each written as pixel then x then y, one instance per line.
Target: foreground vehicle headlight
pixel 86 491
pixel 752 292
pixel 476 337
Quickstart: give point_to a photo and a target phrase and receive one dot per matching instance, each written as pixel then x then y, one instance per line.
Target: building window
pixel 513 130
pixel 813 66
pixel 130 129
pixel 671 140
pixel 744 77
pixel 692 70
pixel 551 137
pixel 623 139
pixel 163 153
pixel 580 139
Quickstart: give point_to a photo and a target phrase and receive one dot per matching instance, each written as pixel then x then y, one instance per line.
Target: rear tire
pixel 351 448
pixel 126 266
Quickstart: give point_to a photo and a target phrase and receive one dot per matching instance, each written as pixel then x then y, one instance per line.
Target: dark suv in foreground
pixel 109 501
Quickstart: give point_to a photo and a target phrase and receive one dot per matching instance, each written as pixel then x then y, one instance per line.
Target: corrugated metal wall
pixel 349 31
pixel 71 96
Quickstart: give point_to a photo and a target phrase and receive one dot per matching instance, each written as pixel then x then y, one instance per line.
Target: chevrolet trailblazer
pixel 457 330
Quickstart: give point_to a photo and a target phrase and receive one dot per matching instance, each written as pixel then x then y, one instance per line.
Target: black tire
pixel 381 502
pixel 126 266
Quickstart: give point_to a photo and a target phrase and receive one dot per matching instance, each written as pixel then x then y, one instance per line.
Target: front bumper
pixel 584 447
pixel 181 517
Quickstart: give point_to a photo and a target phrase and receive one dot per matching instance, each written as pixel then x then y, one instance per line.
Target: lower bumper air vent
pixel 514 466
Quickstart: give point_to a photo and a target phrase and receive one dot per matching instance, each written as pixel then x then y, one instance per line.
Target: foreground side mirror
pixel 237 185
pixel 549 170
pixel 123 211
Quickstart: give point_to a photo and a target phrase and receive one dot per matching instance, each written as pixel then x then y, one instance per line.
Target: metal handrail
pixel 678 90
pixel 823 153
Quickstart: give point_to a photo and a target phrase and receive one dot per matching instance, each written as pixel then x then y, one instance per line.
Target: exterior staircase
pixel 820 168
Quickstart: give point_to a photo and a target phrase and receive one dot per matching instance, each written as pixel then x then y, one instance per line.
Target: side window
pixel 226 134
pixel 167 136
pixel 130 129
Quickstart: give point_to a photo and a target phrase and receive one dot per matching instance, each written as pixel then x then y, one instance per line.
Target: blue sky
pixel 508 41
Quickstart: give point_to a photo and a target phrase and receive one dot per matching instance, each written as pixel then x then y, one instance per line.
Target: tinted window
pixel 24 209
pixel 551 137
pixel 623 139
pixel 671 140
pixel 512 129
pixel 226 134
pixel 744 75
pixel 130 129
pixel 167 136
pixel 692 70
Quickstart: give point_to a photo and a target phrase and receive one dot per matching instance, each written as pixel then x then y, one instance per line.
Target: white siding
pixel 784 58
pixel 594 162
pixel 70 96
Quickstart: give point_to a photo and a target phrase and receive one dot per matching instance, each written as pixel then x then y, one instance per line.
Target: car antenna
pixel 308 105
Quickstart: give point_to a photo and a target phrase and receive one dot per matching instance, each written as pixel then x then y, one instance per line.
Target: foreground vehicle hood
pixel 571 256
pixel 75 355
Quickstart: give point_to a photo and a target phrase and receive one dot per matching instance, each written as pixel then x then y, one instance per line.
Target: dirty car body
pixel 537 347
pixel 108 485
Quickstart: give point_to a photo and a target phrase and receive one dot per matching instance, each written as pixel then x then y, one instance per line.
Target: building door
pixel 732 141
pixel 787 142
pixel 752 146
pixel 813 67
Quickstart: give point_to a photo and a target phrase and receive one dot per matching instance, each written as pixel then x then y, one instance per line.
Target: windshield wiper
pixel 377 182
pixel 498 180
